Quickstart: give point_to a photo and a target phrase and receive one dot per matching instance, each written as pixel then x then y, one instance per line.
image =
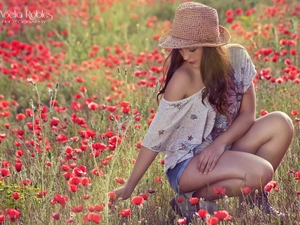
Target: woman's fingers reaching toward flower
pixel 122 193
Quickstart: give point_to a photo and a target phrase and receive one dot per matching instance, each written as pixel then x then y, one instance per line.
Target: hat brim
pixel 168 41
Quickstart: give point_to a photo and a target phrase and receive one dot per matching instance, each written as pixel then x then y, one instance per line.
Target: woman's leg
pixel 233 171
pixel 269 137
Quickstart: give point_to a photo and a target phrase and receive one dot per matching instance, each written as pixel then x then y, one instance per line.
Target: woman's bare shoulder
pixel 179 84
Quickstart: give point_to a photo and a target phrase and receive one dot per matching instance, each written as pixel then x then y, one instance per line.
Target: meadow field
pixel 78 85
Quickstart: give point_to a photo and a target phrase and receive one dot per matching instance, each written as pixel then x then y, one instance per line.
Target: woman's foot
pixel 184 208
pixel 181 206
pixel 262 202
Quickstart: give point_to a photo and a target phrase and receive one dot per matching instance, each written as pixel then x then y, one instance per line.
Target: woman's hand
pixel 208 158
pixel 123 192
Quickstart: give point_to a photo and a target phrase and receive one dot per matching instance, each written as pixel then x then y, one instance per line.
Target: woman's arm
pixel 209 157
pixel 144 160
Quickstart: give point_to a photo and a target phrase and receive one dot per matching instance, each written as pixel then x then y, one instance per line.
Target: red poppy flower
pixel 73 188
pixel 12 214
pixel 94 217
pixel 98 208
pixel 93 106
pixel 90 133
pixel 212 220
pixel 54 122
pixel 238 11
pixel 125 104
pixel 55 216
pixel 5 164
pixel 77 209
pixel 297 175
pixel 125 212
pixel 269 186
pixel 202 213
pixel 5 114
pixel 20 116
pixel 83 89
pixel 70 220
pixel 28 112
pixel 97 172
pixel 111 108
pixel 194 200
pixel 179 200
pixel 53 103
pixel 2 218
pixel 229 13
pixel 263 112
pixel 125 110
pixel 137 200
pixel 42 194
pixel 16 195
pixel 80 171
pixel 61 199
pixel 294 112
pixel 120 180
pixel 293 52
pixel 112 196
pixel 26 182
pixel 229 19
pixel 4 172
pixel 99 146
pixel 246 190
pixel 219 191
pixel 221 215
pixel 76 106
pixel 74 180
pixel 158 179
pixel 18 167
pixel 85 181
pixel 85 197
pixel 79 79
pixel 65 168
pixel 145 196
pixel 61 138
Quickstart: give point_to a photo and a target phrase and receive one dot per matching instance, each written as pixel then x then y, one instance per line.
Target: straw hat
pixel 195 25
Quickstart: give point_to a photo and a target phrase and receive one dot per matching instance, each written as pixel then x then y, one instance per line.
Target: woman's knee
pixel 282 122
pixel 261 175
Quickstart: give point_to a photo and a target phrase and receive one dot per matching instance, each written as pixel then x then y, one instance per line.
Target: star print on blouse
pixel 161 132
pixel 193 117
pixel 242 70
pixel 190 137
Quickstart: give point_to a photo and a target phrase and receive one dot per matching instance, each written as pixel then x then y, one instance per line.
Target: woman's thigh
pixel 254 171
pixel 269 137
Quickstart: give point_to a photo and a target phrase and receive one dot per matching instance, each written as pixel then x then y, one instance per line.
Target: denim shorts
pixel 174 175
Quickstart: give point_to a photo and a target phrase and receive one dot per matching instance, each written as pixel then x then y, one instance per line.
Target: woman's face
pixel 192 55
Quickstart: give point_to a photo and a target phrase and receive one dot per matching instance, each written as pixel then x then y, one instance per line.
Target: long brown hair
pixel 215 69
